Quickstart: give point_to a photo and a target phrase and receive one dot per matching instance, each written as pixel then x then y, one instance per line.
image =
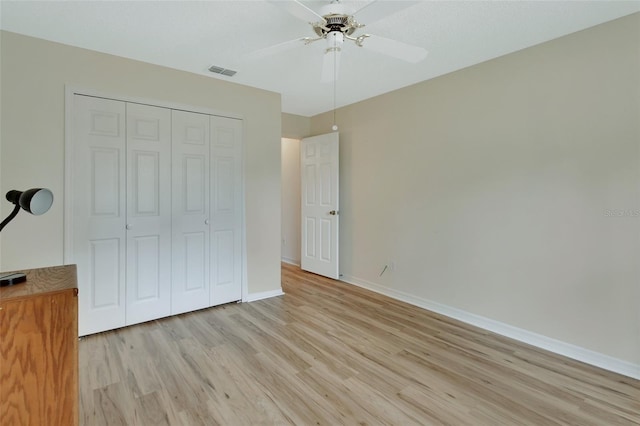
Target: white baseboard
pixel 291 261
pixel 263 295
pixel 556 346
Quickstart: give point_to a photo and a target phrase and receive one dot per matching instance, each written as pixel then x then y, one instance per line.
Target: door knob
pixel 128 226
pixel 206 221
pixel 333 212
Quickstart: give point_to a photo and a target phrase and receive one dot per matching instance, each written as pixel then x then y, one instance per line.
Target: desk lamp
pixel 36 201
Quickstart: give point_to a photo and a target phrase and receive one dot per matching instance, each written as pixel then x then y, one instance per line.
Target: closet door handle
pixel 206 221
pixel 129 226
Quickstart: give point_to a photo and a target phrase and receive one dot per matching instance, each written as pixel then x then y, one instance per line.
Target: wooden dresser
pixel 39 349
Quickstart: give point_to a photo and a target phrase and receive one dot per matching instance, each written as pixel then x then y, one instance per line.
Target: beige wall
pixel 33 77
pixel 295 126
pixel 291 200
pixel 493 189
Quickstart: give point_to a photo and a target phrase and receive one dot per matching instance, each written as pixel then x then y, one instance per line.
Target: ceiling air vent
pixel 219 70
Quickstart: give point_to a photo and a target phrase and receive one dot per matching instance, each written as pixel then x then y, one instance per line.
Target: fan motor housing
pixel 336 22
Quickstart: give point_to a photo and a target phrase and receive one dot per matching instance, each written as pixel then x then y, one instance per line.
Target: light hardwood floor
pixel 328 353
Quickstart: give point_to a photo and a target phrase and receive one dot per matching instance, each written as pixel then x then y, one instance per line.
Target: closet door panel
pixel 226 210
pixel 190 211
pixel 98 200
pixel 148 268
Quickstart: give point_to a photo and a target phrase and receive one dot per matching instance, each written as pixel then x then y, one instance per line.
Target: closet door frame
pixel 70 92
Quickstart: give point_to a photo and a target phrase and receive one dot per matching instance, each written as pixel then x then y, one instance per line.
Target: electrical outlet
pixel 284 242
pixel 392 266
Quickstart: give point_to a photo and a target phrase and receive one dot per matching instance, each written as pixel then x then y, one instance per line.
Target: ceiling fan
pixel 335 25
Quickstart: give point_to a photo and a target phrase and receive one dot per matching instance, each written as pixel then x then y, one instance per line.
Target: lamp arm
pixel 9 218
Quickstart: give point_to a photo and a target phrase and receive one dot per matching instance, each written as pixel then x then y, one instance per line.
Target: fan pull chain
pixel 335 83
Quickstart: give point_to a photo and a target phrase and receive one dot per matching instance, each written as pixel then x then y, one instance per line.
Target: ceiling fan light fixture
pixel 335 40
pixel 335 23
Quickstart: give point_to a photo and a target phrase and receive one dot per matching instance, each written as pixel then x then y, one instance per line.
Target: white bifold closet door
pixel 148 213
pixel 156 222
pixel 226 210
pixel 190 221
pixel 207 211
pixel 99 212
pixel 122 212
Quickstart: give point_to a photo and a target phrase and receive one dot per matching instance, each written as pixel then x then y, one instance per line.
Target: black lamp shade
pixel 36 201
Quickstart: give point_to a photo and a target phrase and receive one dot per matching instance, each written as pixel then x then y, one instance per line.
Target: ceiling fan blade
pixel 275 49
pixel 330 66
pixel 376 10
pixel 394 48
pixel 298 10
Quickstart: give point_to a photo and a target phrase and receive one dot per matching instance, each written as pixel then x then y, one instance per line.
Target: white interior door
pixel 190 216
pixel 320 225
pixel 148 213
pixel 226 210
pixel 98 203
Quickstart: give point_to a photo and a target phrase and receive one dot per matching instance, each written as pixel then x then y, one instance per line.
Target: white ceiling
pixel 192 35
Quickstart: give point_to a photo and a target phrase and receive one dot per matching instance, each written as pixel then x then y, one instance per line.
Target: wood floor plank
pixel 329 353
pixel 151 411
